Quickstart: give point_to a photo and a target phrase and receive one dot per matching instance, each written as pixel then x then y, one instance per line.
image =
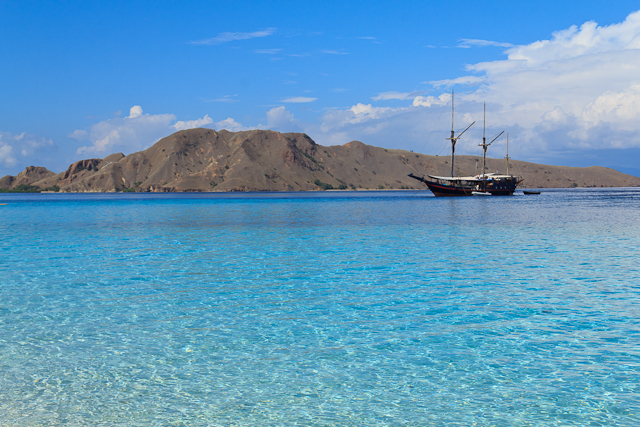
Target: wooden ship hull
pixel 496 185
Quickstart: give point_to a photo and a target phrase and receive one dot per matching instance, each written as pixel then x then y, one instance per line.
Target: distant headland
pixel 205 160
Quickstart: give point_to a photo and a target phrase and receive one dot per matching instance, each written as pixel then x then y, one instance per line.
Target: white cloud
pixel 334 52
pixel 371 39
pixel 338 120
pixel 363 112
pixel 396 95
pixel 230 125
pixel 225 98
pixel 579 80
pixel 467 43
pixel 401 127
pixel 26 144
pixel 6 155
pixel 24 147
pixel 138 131
pixel 135 111
pixel 135 132
pixel 465 80
pixel 279 119
pixel 78 135
pixel 268 51
pixel 228 37
pixel 428 101
pixel 298 99
pixel 578 90
pixel 191 124
pixel 622 108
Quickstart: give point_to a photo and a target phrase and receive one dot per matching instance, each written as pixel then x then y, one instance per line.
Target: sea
pixel 364 308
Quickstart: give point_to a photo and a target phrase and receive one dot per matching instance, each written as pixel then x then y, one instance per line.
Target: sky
pixel 85 79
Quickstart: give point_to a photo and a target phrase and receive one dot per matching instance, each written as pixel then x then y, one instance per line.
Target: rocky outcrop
pixel 32 174
pixel 29 176
pixel 7 181
pixel 81 165
pixel 262 160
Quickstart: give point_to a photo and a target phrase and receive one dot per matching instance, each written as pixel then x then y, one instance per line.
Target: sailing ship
pixel 493 184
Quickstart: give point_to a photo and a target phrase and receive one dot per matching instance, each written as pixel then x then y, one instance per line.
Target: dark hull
pixel 440 190
pixel 502 188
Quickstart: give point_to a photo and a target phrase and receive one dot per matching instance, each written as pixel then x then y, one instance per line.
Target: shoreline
pixel 361 190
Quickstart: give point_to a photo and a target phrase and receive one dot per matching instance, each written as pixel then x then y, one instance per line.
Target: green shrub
pixel 309 157
pixel 22 188
pixel 323 185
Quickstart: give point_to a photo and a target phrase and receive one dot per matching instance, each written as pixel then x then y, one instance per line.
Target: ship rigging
pixel 492 184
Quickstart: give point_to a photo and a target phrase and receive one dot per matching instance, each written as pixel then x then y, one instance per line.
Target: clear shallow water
pixel 377 308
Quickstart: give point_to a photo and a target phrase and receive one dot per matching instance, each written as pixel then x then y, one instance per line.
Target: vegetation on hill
pixel 22 188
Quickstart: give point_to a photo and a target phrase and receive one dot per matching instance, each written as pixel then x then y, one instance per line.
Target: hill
pixel 262 160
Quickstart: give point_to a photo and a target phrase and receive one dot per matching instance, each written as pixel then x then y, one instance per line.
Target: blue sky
pixel 87 79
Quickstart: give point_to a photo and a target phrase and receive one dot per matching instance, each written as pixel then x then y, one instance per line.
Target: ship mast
pixel 507 154
pixel 484 141
pixel 484 146
pixel 454 138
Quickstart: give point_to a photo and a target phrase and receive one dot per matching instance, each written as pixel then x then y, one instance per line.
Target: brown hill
pixel 27 177
pixel 261 160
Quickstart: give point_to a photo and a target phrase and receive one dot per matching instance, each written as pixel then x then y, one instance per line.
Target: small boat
pixel 530 192
pixel 480 193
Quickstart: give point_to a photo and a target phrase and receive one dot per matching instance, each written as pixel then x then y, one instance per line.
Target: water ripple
pixel 320 309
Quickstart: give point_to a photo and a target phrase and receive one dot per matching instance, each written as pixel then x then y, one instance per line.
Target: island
pixel 205 160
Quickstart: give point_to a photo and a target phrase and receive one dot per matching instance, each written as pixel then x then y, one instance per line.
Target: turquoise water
pixel 350 308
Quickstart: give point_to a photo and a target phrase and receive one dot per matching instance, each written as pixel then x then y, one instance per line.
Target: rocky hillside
pixel 261 160
pixel 27 177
